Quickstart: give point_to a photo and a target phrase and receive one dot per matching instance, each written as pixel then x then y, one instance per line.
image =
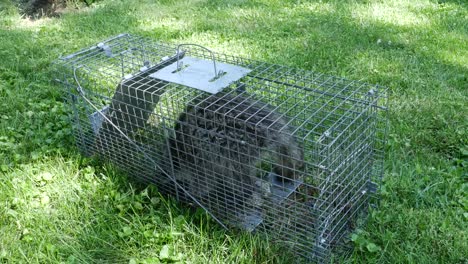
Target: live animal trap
pixel 289 153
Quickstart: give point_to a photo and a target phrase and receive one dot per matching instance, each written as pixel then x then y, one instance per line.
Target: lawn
pixel 57 206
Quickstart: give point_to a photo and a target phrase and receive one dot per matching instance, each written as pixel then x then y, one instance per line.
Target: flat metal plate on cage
pixel 97 118
pixel 250 220
pixel 199 74
pixel 279 190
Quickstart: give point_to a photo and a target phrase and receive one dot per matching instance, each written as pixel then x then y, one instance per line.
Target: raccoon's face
pixel 290 164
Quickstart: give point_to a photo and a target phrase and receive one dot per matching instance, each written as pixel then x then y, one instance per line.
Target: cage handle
pixel 179 63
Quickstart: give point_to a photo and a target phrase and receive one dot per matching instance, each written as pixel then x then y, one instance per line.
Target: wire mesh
pixel 293 154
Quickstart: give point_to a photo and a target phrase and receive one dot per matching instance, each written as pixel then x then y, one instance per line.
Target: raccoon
pixel 224 147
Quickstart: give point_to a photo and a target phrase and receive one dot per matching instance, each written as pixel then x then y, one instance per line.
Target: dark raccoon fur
pixel 219 143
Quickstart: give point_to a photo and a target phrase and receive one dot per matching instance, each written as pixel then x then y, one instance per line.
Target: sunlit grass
pixel 56 206
pixel 397 14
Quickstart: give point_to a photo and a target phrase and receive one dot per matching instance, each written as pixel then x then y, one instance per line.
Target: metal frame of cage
pixel 121 112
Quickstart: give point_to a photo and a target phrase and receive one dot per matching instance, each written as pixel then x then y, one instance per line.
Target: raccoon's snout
pixel 290 163
pixel 289 171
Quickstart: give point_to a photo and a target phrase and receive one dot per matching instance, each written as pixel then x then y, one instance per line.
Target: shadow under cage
pixel 293 154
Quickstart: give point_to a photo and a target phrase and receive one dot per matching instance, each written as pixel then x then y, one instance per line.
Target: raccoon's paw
pixel 262 192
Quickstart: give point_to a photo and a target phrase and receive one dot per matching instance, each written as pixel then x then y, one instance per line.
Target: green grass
pixel 58 207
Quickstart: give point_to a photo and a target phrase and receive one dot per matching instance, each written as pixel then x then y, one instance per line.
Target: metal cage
pixel 293 154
